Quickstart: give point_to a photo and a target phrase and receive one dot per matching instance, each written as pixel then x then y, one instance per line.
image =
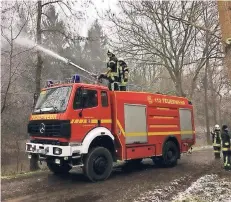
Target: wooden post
pixel 224 9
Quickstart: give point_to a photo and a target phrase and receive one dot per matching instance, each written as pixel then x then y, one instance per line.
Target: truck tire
pixel 59 169
pixel 98 164
pixel 34 162
pixel 158 161
pixel 170 154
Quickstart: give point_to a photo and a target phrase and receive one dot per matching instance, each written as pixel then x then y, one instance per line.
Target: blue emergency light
pixel 76 78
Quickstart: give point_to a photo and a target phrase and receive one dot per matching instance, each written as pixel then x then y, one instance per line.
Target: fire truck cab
pixel 78 124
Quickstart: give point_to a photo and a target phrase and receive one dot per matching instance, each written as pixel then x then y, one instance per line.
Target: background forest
pixel 170 47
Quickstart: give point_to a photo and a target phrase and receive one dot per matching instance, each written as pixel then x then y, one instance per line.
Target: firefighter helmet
pixel 110 53
pixel 217 127
pixel 120 59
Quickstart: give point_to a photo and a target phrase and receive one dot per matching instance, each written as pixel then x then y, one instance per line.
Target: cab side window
pixel 85 98
pixel 104 99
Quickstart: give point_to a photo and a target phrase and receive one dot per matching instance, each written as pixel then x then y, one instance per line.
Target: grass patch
pixel 190 199
pixel 22 174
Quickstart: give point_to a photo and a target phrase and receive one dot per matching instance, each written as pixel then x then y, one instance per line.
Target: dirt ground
pixel 143 183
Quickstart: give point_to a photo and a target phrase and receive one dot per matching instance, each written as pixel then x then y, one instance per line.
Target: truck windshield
pixel 53 100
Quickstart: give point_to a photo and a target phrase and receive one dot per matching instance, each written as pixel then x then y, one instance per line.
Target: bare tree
pixel 66 7
pixel 10 52
pixel 160 33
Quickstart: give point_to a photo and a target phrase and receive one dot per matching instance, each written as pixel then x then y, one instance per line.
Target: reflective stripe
pixel 163 126
pixel 226 161
pixel 215 139
pixel 120 127
pixel 114 74
pixel 153 133
pixel 216 145
pixel 90 121
pixel 136 134
pixel 44 116
pixel 163 117
pixel 123 84
pixel 215 151
pixel 106 121
pixel 227 144
pixel 225 149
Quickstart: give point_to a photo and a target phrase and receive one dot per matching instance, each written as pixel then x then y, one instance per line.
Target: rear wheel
pixel 98 164
pixel 170 154
pixel 59 169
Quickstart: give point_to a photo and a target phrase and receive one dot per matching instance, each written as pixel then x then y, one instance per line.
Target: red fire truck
pixel 78 124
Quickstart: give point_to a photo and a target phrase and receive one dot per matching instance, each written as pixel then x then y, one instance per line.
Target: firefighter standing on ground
pixel 226 146
pixel 112 75
pixel 123 74
pixel 216 137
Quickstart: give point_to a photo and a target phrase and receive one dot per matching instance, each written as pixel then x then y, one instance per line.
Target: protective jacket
pixel 113 70
pixel 216 137
pixel 123 74
pixel 225 140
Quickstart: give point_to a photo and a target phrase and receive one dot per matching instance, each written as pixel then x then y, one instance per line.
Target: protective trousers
pixel 216 144
pixel 113 86
pixel 226 156
pixel 123 77
pixel 217 150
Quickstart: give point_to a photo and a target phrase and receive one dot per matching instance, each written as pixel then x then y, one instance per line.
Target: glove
pixel 100 80
pixel 94 75
pixel 102 76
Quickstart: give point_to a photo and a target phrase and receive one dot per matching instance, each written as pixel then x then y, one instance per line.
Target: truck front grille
pixel 50 128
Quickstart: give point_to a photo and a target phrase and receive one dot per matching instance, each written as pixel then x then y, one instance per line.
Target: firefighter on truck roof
pixel 123 74
pixel 112 75
pixel 216 137
pixel 226 146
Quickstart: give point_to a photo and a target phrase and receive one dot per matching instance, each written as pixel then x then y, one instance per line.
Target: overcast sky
pixel 91 14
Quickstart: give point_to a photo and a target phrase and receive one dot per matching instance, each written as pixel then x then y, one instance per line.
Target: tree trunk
pixel 206 103
pixel 4 98
pixel 214 108
pixel 34 160
pixel 178 86
pixel 213 95
pixel 219 111
pixel 228 59
pixel 39 57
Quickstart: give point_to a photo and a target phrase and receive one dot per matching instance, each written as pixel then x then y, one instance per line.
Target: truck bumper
pixel 53 150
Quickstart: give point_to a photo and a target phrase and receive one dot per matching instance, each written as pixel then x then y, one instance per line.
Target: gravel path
pixel 144 183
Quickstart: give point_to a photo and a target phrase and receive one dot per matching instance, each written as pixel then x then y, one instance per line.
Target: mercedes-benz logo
pixel 42 128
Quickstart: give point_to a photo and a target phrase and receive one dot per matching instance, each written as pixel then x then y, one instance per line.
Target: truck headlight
pixel 57 151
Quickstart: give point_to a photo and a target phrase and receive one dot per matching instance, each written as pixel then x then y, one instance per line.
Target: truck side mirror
pixel 81 100
pixel 35 99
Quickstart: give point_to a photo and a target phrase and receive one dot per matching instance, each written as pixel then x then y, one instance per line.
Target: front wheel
pixel 170 154
pixel 59 169
pixel 98 164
